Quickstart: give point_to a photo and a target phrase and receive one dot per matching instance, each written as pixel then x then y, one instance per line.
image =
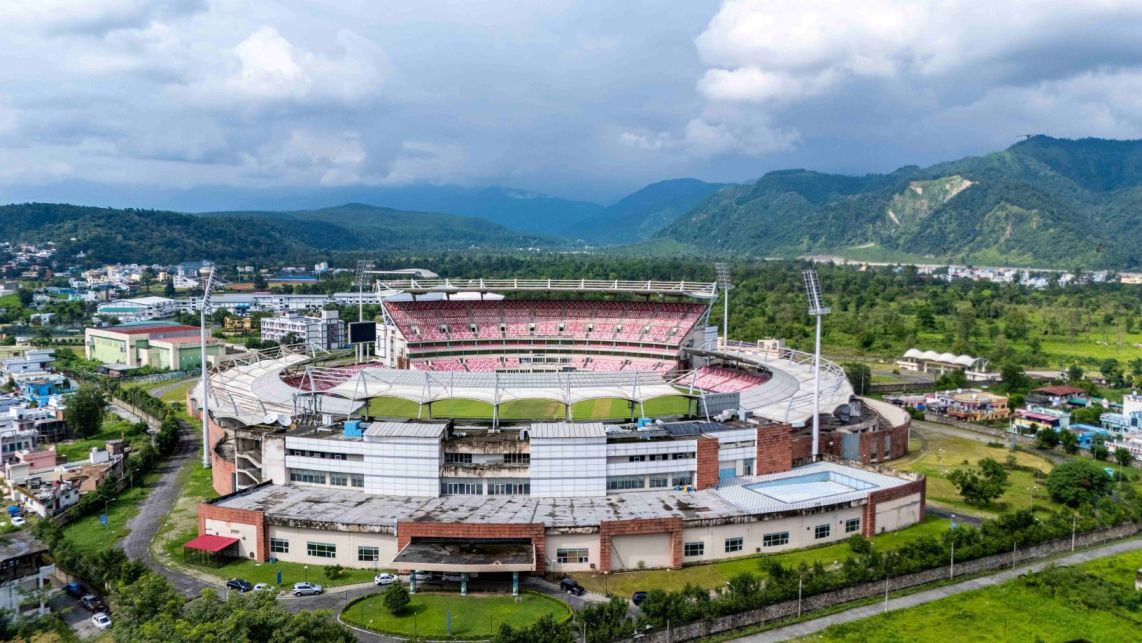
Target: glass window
pixel 462 488
pixel 851 525
pixel 368 554
pixel 306 476
pixel 682 479
pixel 733 544
pixel 659 483
pixel 457 458
pixel 517 458
pixel 580 556
pixel 279 546
pixel 694 549
pixel 338 479
pixel 321 550
pixel 629 482
pixel 357 479
pixel 821 531
pixel 775 539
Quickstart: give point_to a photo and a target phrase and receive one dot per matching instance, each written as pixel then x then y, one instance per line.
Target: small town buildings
pixel 1129 420
pixel 159 345
pixel 321 330
pixel 1059 395
pixel 34 362
pixel 969 404
pixel 975 368
pixel 23 570
pixel 139 309
pixel 1032 419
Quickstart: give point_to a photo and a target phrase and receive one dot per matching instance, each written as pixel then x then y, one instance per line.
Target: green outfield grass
pixel 601 409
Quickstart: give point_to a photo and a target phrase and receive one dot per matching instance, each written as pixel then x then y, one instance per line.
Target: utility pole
pixel 209 283
pixel 816 309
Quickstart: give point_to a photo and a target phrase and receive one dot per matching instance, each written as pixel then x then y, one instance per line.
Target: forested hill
pixel 1043 201
pixel 148 236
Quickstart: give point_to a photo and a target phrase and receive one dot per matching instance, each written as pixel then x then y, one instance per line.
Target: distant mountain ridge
pixel 639 215
pixel 150 236
pixel 1043 201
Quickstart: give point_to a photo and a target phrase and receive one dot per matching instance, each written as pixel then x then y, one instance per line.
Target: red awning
pixel 212 544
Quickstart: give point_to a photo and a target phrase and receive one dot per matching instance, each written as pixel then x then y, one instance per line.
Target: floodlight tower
pixel 723 271
pixel 818 310
pixel 209 283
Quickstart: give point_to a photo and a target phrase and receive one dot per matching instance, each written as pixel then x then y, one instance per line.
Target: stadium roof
pixel 695 289
pixel 404 430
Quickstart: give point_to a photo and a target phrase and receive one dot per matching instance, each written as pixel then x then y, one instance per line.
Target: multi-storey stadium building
pixel 542 426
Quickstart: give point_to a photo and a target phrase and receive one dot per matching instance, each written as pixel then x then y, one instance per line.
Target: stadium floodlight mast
pixel 723 270
pixel 818 310
pixel 209 283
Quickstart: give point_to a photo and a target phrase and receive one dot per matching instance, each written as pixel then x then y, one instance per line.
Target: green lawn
pixel 1056 605
pixel 256 572
pixel 602 409
pixel 114 428
pixel 936 454
pixel 712 575
pixel 89 536
pixel 473 616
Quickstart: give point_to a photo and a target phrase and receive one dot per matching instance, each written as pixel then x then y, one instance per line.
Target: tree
pixel 1112 372
pixel 1077 482
pixel 983 486
pixel 1123 457
pixel 546 629
pixel 259 281
pixel 168 289
pixel 1098 449
pixel 1070 441
pixel 860 376
pixel 85 410
pixel 1047 438
pixel 396 598
pixel 1013 376
pixel 1075 373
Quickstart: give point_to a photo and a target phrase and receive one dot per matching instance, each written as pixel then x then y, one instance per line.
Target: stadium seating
pixel 718 379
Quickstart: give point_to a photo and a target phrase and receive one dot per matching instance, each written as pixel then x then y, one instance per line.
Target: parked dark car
pixel 93 603
pixel 570 586
pixel 638 597
pixel 74 589
pixel 239 584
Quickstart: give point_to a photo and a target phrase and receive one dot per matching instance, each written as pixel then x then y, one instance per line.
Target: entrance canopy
pixel 211 544
pixel 432 555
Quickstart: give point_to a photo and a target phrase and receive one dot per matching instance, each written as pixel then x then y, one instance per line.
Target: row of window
pixel 775 539
pixel 324 455
pixel 572 555
pixel 466 458
pixel 320 477
pixel 476 488
pixel 654 481
pixel 655 457
pixel 365 553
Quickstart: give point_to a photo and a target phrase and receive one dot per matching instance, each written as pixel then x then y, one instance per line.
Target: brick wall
pixel 871 442
pixel 868 524
pixel 608 529
pixel 535 532
pixel 244 516
pixel 774 449
pixel 707 474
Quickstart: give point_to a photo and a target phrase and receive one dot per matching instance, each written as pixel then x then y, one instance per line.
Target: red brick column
pixel 536 532
pixel 221 469
pixel 868 522
pixel 774 449
pixel 707 475
pixel 242 516
pixel 608 529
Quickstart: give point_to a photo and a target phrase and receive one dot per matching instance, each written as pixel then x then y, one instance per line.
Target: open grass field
pixel 89 536
pixel 713 575
pixel 113 428
pixel 602 409
pixel 1062 604
pixel 474 616
pixel 936 453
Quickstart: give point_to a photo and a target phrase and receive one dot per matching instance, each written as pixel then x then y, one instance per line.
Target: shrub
pixel 396 598
pixel 333 572
pixel 1078 481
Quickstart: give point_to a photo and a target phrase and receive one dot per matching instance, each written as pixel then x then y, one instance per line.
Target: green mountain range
pixel 1042 202
pixel 147 236
pixel 641 214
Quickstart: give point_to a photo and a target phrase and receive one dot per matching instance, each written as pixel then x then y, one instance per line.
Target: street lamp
pixel 307 573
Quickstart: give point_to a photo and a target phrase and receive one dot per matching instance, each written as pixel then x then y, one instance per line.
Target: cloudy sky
pixel 578 99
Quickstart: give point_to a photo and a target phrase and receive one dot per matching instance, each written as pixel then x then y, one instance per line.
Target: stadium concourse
pixel 584 425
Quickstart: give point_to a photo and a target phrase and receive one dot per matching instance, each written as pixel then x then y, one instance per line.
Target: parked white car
pixel 265 587
pixel 18 521
pixel 385 579
pixel 101 620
